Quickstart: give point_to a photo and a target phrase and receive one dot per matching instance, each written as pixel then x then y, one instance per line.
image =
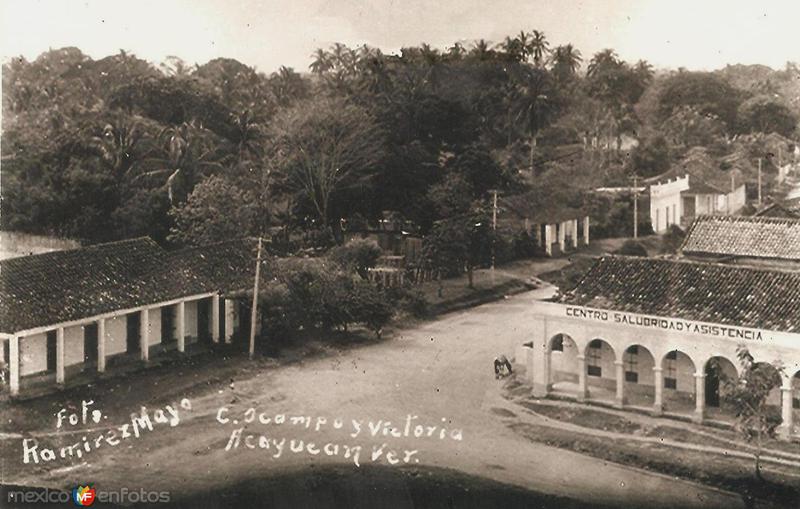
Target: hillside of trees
pixel 119 147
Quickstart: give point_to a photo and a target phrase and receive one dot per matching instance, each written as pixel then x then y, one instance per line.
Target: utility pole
pixel 635 206
pixel 494 228
pixel 759 181
pixel 254 311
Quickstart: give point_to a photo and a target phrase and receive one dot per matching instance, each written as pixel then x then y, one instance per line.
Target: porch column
pixel 699 397
pixel 144 335
pixel 586 230
pixel 60 355
pixel 215 318
pixel 13 369
pixel 619 400
pixel 540 371
pixel 101 345
pixel 787 413
pixel 658 381
pixel 575 233
pixel 180 329
pixel 527 226
pixel 583 393
pixel 548 239
pixel 562 236
pixel 230 313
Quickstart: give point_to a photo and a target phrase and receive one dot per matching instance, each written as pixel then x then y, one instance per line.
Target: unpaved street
pixel 439 371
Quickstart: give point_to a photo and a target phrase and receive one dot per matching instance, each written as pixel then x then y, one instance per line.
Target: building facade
pixel 70 315
pixel 663 335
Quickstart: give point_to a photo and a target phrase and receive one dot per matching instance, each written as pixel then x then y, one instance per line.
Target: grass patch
pixel 724 472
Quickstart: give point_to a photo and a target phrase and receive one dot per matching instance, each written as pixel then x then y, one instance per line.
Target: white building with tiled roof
pixel 66 316
pixel 659 335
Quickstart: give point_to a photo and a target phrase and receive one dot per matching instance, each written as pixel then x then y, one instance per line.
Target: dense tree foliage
pixel 111 148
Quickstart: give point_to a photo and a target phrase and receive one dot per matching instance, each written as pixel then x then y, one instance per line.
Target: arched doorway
pixel 563 363
pixel 719 373
pixel 774 397
pixel 601 380
pixel 638 363
pixel 677 371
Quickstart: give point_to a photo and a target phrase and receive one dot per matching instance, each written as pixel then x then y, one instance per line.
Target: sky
pixel 696 34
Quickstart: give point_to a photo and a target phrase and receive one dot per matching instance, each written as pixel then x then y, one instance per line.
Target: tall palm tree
pixel 185 153
pixel 566 61
pixel 481 50
pixel 321 61
pixel 601 60
pixel 287 86
pixel 456 51
pixel 513 49
pixel 539 47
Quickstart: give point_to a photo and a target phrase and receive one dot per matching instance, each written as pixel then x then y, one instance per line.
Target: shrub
pixel 672 240
pixel 409 300
pixel 632 248
pixel 358 255
pixel 370 306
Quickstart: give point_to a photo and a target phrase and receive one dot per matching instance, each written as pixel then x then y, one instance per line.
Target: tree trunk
pixel 530 155
pixel 470 276
pixel 758 467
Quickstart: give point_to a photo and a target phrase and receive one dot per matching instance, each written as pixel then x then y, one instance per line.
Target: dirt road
pixel 439 373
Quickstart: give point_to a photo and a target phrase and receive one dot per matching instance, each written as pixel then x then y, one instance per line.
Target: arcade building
pixel 67 317
pixel 659 334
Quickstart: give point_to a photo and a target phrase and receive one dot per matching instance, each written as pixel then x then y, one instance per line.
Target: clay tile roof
pixel 228 266
pixel 50 288
pixel 714 293
pixel 756 237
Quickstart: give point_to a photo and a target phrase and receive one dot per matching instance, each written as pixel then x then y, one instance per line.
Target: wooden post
pixel 215 318
pixel 144 335
pixel 101 345
pixel 60 355
pixel 180 329
pixel 759 181
pixel 13 369
pixel 635 206
pixel 254 310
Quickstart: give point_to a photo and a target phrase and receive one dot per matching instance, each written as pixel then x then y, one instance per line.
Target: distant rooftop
pixel 707 292
pixel 741 236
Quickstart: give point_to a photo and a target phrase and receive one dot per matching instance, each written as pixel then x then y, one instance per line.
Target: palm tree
pixel 321 62
pixel 601 60
pixel 118 143
pixel 566 61
pixel 513 49
pixel 481 50
pixel 287 86
pixel 539 47
pixel 456 51
pixel 185 154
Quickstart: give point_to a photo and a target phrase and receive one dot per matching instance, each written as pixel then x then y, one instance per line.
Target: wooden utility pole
pixel 494 227
pixel 635 206
pixel 254 311
pixel 759 181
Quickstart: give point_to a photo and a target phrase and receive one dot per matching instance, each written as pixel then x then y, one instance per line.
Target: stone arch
pixel 794 383
pixel 638 363
pixel 600 358
pixel 774 397
pixel 678 371
pixel 562 351
pixel 718 369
